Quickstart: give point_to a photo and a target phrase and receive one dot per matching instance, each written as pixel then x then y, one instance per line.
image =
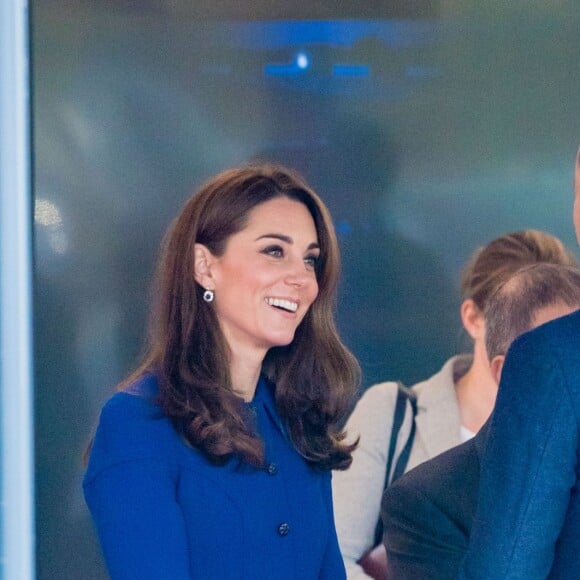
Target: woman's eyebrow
pixel 287 240
pixel 280 237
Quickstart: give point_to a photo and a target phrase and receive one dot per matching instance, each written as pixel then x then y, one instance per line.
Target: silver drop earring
pixel 208 295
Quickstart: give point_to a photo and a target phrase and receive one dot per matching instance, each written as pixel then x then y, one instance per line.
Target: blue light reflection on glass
pixel 396 34
pixel 351 70
pixel 302 60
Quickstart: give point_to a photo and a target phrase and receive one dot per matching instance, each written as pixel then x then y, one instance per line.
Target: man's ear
pixel 496 367
pixel 203 260
pixel 472 319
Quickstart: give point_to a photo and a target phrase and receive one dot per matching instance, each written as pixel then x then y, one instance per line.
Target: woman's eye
pixel 274 251
pixel 311 261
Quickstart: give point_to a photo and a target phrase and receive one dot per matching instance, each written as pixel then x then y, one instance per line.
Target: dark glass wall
pixel 429 128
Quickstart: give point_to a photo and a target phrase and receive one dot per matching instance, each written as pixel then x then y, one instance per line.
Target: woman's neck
pixel 476 392
pixel 244 374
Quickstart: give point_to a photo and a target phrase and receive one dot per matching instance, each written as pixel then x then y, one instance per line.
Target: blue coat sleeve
pixel 130 488
pixel 529 466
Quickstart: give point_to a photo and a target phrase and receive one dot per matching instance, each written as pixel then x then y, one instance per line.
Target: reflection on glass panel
pixel 428 133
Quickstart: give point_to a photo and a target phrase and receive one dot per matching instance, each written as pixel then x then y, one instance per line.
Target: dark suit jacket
pixel 427 514
pixel 528 518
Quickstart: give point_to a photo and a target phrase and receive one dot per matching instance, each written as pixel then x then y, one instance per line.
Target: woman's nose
pixel 298 274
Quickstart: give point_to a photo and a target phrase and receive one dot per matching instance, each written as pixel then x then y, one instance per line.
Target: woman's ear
pixel 202 263
pixel 472 319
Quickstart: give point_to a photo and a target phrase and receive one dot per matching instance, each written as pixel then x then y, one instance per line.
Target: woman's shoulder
pixel 441 385
pixel 146 386
pixel 132 425
pixel 136 403
pixel 374 405
pixel 382 394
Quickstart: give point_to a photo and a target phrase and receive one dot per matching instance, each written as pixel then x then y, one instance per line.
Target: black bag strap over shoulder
pixel 404 394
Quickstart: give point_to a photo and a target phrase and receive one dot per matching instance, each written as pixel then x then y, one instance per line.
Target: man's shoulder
pixel 564 326
pixel 432 506
pixel 441 476
pixel 560 336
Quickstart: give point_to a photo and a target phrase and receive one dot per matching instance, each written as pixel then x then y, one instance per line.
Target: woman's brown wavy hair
pixel 316 377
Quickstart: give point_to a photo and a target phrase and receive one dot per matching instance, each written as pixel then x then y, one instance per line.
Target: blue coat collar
pixel 266 396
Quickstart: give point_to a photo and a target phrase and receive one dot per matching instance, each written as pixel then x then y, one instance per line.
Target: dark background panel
pixel 429 128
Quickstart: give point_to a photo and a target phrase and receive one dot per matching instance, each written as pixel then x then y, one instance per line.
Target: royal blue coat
pixel 162 511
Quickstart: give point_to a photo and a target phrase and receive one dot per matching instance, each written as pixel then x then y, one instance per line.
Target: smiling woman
pixel 264 283
pixel 231 419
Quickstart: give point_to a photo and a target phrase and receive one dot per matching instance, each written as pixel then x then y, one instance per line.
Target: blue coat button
pixel 283 529
pixel 272 468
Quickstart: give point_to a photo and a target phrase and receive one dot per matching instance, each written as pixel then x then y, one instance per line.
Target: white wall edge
pixel 16 377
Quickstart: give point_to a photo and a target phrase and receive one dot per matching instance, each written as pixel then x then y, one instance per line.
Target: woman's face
pixel 265 281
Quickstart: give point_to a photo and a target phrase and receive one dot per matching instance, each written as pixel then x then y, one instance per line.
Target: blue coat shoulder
pixel 132 426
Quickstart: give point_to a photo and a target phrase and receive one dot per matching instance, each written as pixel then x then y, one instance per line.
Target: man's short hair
pixel 512 307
